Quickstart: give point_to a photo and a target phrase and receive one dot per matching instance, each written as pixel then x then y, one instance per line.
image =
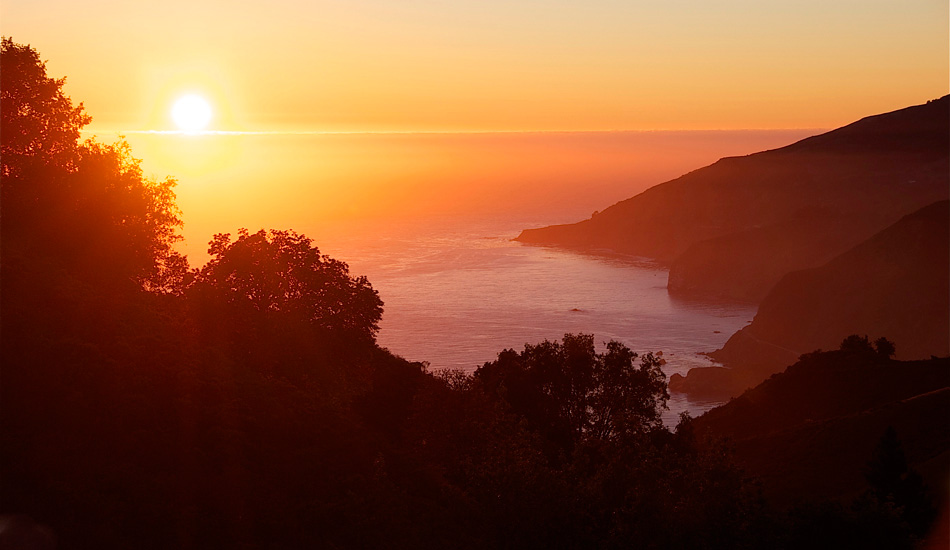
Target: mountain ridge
pixel 716 227
pixel 894 284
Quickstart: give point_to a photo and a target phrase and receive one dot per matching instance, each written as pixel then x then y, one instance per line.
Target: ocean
pixel 430 218
pixel 457 296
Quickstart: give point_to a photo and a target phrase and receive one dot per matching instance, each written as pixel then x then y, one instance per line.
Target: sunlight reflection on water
pixel 457 296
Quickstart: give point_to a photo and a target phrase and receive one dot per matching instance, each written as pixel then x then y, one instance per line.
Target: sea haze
pixel 327 184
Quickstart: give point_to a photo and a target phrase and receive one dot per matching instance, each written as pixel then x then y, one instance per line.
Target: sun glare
pixel 191 113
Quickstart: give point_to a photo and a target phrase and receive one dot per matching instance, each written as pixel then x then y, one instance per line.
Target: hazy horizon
pixel 314 182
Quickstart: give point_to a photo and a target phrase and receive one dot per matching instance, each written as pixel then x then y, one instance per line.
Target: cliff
pixel 896 284
pixel 734 228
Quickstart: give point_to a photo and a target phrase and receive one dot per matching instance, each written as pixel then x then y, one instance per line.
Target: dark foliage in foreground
pixel 246 404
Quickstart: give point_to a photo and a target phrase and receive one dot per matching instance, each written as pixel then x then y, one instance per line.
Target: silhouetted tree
pixel 84 208
pixel 856 344
pixel 880 349
pixel 884 347
pixel 887 469
pixel 281 272
pixel 38 123
pixel 895 512
pixel 118 221
pixel 892 481
pixel 570 392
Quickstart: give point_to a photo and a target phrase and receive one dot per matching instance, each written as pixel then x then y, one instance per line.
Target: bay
pixel 430 218
pixel 456 295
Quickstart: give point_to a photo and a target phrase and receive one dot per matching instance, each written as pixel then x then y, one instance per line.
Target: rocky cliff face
pixel 734 228
pixel 896 285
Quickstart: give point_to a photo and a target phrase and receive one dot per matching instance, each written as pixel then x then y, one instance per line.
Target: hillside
pixel 734 228
pixel 894 285
pixel 809 432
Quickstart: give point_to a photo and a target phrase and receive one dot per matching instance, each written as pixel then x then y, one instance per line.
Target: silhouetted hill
pixel 809 432
pixel 732 229
pixel 246 404
pixel 894 284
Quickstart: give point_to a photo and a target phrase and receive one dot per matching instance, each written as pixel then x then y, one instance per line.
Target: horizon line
pixel 425 132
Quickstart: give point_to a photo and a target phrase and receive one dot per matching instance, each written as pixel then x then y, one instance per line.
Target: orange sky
pixel 418 65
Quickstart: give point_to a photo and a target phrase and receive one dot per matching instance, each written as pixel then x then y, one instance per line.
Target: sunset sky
pixel 423 65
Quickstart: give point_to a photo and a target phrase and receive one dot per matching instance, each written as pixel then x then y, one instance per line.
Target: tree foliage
pixel 38 122
pixel 884 347
pixel 573 393
pixel 282 272
pixel 83 207
pixel 861 345
pixel 891 481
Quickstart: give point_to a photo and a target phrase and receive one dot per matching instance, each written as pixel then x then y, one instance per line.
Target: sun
pixel 191 113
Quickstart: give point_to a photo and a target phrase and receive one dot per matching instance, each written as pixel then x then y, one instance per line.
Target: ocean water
pixel 430 219
pixel 457 294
